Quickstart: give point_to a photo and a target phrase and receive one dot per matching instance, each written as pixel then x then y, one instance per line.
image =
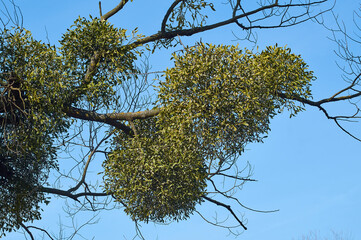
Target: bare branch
pixel 228 208
pixel 354 82
pixel 70 195
pixel 43 230
pixel 322 101
pixel 28 231
pixel 82 180
pixel 328 100
pixel 347 132
pixel 215 223
pixel 114 10
pixel 236 177
pixel 224 194
pixel 100 9
pixel 7 17
pixel 92 116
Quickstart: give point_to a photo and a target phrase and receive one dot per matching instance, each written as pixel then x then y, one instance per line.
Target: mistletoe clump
pixel 214 101
pixel 97 60
pixel 31 117
pixel 158 175
pixel 229 95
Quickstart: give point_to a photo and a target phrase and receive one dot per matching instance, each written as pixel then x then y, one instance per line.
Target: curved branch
pixel 329 100
pixel 239 203
pixel 322 101
pixel 215 223
pixel 228 208
pixel 347 132
pixel 334 99
pixel 82 180
pixel 114 10
pixel 16 17
pixel 28 231
pixel 166 16
pixel 43 230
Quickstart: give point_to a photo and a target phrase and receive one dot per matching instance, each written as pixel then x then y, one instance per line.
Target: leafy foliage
pixel 192 8
pixel 87 38
pixel 37 85
pixel 228 96
pixel 31 116
pixel 158 176
pixel 213 102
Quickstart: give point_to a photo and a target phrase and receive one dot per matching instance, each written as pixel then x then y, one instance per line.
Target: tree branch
pixel 166 16
pixel 328 100
pixel 28 231
pixel 227 207
pixel 100 9
pixel 71 195
pixel 111 117
pixel 114 10
pixel 82 180
pixel 43 230
pixel 92 116
pixel 188 32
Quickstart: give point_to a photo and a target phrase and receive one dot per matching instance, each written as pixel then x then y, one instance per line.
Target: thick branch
pixel 134 115
pixel 28 231
pixel 59 192
pixel 71 195
pixel 336 99
pixel 114 10
pixel 92 116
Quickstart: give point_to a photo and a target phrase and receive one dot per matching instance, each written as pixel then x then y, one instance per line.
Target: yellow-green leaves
pixel 228 95
pixel 37 83
pixel 114 62
pixel 159 174
pixel 31 104
pixel 214 101
pixel 178 17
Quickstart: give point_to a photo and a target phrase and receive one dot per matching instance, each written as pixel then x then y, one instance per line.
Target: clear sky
pixel 307 168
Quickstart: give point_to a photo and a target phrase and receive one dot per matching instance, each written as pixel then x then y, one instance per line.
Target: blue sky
pixel 307 167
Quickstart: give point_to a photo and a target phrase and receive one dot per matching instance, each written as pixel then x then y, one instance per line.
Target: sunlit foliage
pixel 214 101
pixel 38 82
pixel 31 117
